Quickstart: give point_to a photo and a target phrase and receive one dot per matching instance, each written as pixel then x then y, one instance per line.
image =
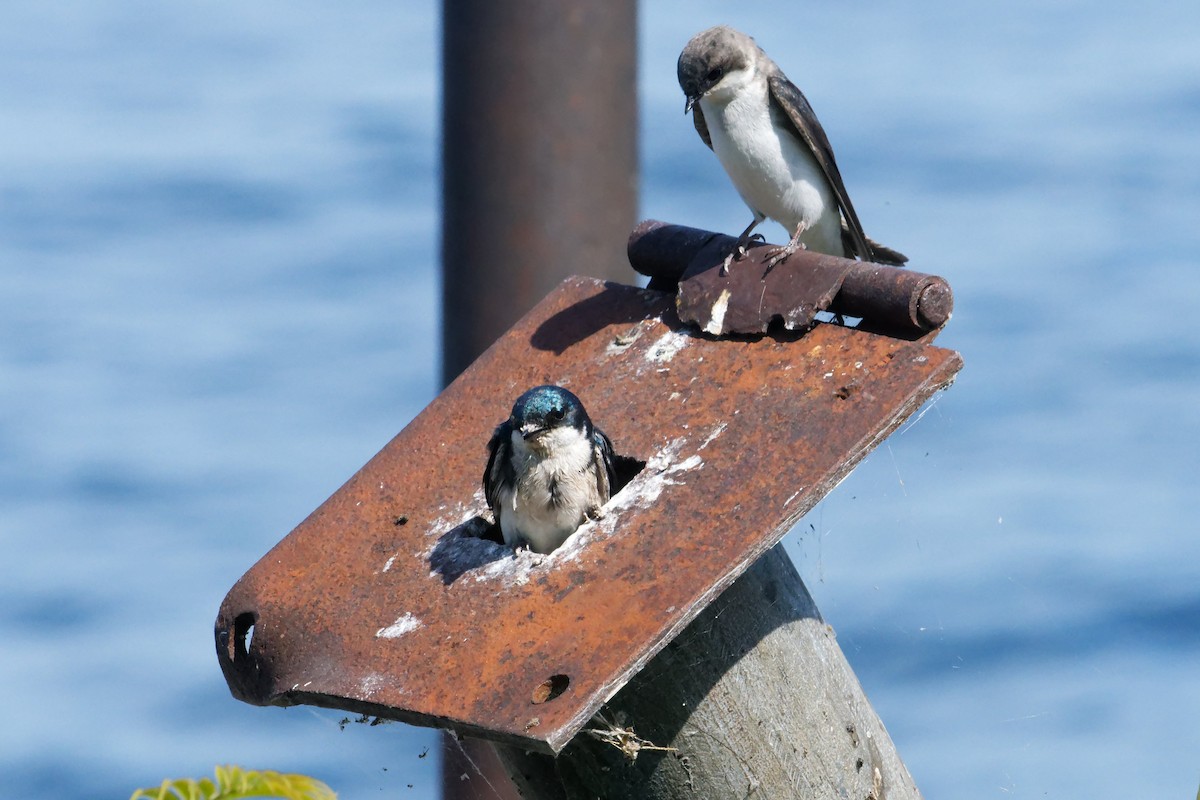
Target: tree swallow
pixel 768 139
pixel 548 469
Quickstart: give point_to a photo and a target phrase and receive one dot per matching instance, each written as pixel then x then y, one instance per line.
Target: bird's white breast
pixel 529 511
pixel 772 170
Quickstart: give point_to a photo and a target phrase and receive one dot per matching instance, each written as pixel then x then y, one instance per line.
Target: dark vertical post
pixel 539 181
pixel 539 158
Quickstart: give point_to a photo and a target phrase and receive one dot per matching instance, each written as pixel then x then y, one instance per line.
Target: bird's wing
pixel 701 125
pixel 498 465
pixel 603 450
pixel 789 101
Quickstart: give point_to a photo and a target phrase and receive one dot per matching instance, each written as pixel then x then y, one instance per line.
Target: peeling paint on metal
pixel 716 318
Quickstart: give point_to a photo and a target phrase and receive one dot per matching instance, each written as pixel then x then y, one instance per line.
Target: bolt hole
pixel 243 634
pixel 550 688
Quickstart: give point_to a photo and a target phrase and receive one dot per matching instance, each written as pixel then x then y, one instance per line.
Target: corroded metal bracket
pixel 390 599
pixel 752 296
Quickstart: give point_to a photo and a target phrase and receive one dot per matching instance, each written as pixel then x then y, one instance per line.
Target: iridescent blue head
pixel 544 408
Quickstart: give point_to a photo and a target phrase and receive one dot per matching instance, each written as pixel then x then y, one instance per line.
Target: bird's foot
pixel 740 251
pixel 780 254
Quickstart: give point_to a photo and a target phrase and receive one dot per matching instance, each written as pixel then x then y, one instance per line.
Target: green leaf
pixel 235 783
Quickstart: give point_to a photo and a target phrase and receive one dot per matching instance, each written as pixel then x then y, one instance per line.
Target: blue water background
pixel 218 298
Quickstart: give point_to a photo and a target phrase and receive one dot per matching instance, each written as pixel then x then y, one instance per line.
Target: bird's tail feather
pixel 880 254
pixel 886 255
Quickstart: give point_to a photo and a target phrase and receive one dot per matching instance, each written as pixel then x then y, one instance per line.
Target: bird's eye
pixel 556 414
pixel 714 74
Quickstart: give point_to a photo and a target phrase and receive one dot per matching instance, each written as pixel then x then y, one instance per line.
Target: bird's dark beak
pixel 530 429
pixel 691 101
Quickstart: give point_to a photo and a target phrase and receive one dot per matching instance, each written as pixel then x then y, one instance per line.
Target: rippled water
pixel 218 238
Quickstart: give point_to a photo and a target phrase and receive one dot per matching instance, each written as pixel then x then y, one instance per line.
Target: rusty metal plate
pixel 385 600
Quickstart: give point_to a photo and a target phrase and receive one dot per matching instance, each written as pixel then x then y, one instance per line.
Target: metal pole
pixel 539 158
pixel 539 181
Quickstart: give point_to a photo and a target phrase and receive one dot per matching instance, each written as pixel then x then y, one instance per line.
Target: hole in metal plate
pixel 550 688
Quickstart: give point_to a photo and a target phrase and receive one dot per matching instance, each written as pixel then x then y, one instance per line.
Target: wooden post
pixel 753 700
